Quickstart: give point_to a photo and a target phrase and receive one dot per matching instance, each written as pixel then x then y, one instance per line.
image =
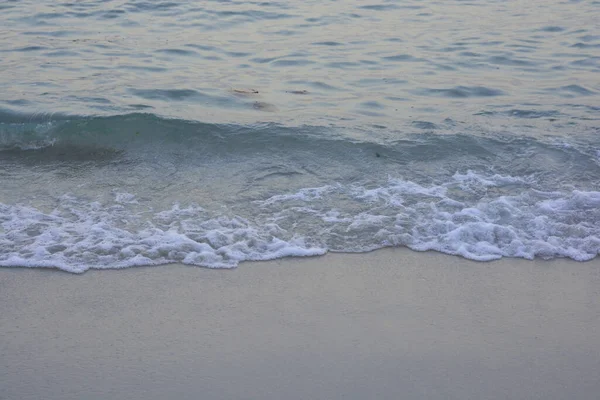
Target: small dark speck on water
pixel 377 154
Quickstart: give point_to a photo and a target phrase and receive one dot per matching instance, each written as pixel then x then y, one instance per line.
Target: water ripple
pixel 415 59
pixel 463 92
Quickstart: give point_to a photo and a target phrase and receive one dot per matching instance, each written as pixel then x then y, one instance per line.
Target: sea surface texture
pixel 213 132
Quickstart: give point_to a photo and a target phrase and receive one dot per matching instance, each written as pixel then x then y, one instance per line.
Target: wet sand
pixel 392 324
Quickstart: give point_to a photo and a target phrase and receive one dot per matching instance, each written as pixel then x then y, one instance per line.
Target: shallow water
pixel 209 133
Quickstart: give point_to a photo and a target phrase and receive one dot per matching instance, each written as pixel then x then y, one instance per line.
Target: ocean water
pixel 209 133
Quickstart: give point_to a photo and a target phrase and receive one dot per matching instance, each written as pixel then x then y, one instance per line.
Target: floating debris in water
pixel 244 92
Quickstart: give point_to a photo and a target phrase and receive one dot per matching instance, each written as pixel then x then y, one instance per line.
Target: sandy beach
pixel 392 324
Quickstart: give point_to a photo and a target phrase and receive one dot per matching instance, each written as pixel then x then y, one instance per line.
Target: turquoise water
pixel 209 133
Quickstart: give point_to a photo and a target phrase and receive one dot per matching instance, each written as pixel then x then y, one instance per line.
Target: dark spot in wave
pixel 62 53
pixel 580 45
pixel 372 105
pixel 139 106
pixel 143 68
pixel 589 38
pixel 237 54
pixel 31 48
pixel 493 43
pixel 177 52
pixel 469 54
pixel 151 6
pixel 402 57
pixel 552 29
pixel 285 32
pixel 370 82
pixel 291 63
pixel 505 60
pixel 462 92
pixel 424 125
pixel 100 100
pixel 379 7
pixel 521 113
pixel 532 113
pixel 201 47
pixel 264 106
pixel 327 44
pixel 572 90
pixel 342 64
pixel 165 94
pixel 315 85
pixel 113 14
pixel 252 14
pixel 52 33
pixel 587 62
pixel 19 102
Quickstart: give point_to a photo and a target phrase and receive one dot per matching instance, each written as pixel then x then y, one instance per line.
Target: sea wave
pixel 466 216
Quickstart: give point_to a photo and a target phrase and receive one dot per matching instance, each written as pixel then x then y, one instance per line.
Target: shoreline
pixel 392 323
pixel 402 251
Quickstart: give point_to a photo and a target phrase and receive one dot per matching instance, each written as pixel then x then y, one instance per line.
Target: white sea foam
pixel 78 236
pixel 528 224
pixel 471 179
pixel 125 198
pixel 472 223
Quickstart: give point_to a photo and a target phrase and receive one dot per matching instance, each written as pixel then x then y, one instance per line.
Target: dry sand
pixel 391 324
